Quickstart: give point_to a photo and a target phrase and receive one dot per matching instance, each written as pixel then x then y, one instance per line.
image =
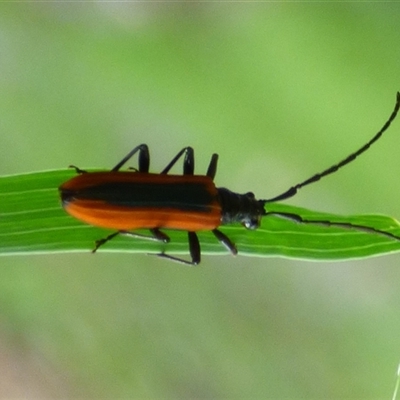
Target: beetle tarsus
pixel 77 169
pixel 192 263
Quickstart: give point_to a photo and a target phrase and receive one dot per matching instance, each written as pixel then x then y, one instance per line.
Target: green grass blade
pixel 32 221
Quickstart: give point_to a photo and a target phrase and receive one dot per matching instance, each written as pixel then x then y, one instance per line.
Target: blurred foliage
pixel 280 91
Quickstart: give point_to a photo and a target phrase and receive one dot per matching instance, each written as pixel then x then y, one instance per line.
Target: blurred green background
pixel 280 91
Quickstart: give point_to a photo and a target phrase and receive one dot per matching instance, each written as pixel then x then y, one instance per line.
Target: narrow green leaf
pixel 32 221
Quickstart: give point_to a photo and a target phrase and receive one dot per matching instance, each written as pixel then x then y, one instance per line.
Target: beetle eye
pixel 252 223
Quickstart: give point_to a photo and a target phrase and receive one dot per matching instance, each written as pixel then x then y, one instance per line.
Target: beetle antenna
pixel 293 190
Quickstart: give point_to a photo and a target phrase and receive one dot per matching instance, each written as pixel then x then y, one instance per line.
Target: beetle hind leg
pixel 100 242
pixel 156 235
pixel 194 249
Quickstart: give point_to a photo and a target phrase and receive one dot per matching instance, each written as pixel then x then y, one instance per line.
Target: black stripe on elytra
pixel 182 196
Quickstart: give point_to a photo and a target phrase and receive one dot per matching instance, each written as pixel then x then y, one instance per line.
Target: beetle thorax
pixel 240 208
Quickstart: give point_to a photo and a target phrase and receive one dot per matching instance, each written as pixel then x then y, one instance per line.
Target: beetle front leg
pixel 223 239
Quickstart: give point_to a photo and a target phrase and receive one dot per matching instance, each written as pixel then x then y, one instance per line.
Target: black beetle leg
pixel 212 168
pixel 144 158
pixel 194 248
pixel 77 169
pixel 156 235
pixel 222 238
pixel 100 242
pixel 188 162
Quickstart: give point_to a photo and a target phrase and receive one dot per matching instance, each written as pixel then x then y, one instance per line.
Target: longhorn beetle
pixel 129 200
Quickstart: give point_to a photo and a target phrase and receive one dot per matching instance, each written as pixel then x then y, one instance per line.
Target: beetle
pixel 128 200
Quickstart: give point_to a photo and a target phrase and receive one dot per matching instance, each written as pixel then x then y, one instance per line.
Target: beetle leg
pixel 100 242
pixel 223 239
pixel 194 248
pixel 77 169
pixel 212 168
pixel 144 158
pixel 188 162
pixel 157 235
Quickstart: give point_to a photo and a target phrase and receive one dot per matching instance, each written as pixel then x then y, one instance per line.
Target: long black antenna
pixel 293 190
